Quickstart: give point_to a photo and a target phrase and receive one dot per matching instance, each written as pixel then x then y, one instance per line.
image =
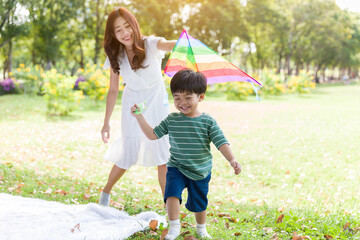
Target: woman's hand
pixel 105 133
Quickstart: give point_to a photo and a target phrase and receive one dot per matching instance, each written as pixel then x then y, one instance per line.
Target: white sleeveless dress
pixel 144 85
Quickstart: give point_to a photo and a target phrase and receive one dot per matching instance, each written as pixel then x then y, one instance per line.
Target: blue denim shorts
pixel 176 182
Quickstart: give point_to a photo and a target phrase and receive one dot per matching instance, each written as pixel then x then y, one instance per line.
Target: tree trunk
pixel 317 68
pixel 33 58
pixel 97 32
pixel 280 64
pixel 81 62
pixel 332 73
pixel 9 58
pixel 340 73
pixel 8 61
pixel 288 67
pixel 297 69
pixel 48 65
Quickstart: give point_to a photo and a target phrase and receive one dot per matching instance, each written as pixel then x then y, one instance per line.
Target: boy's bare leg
pixel 201 224
pixel 162 170
pixel 200 217
pixel 173 210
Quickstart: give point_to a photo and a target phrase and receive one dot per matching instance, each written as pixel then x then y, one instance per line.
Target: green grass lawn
pixel 300 157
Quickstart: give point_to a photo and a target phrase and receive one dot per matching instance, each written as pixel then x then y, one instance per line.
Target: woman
pixel 138 60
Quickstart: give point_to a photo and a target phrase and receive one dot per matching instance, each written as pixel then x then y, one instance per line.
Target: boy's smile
pixel 187 103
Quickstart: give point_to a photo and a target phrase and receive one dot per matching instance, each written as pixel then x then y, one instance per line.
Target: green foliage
pixel 272 83
pixel 261 18
pixel 301 84
pixel 216 89
pixel 11 25
pixel 285 34
pixel 59 94
pixel 97 82
pixel 217 22
pixel 238 90
pixel 31 78
pixel 48 19
pixel 158 17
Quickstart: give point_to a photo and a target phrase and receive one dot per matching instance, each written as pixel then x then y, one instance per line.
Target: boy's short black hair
pixel 188 81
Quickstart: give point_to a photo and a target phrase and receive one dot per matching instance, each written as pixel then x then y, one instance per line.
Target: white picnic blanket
pixel 31 218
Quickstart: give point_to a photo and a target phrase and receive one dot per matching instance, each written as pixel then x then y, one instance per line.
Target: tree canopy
pixel 287 35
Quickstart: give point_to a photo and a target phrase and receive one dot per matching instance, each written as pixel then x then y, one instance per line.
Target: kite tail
pixel 256 91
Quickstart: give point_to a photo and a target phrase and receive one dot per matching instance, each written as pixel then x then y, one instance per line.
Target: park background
pixel 298 146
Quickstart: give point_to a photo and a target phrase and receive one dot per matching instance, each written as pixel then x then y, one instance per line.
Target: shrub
pixel 30 77
pixel 301 84
pixel 78 80
pixel 237 90
pixel 9 86
pixel 94 82
pixel 59 94
pixel 271 83
pixel 216 89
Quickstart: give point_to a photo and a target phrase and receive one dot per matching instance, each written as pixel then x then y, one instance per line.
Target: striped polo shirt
pixel 190 140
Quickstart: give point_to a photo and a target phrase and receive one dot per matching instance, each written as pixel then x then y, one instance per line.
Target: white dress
pixel 144 85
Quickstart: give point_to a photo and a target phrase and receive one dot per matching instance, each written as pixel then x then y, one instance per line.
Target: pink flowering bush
pixel 9 86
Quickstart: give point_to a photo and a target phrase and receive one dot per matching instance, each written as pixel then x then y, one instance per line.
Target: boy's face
pixel 187 103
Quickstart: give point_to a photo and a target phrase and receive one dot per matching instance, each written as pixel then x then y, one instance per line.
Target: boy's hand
pixel 236 166
pixel 133 110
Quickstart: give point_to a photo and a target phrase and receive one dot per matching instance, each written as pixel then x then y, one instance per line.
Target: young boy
pixel 190 133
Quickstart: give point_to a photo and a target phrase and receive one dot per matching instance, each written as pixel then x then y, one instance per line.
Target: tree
pixel 349 57
pixel 260 20
pixel 49 18
pixel 11 26
pixel 84 34
pixel 6 7
pixel 324 31
pixel 159 17
pixel 94 17
pixel 217 22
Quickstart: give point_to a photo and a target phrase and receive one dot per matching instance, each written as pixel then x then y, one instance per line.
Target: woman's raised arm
pixel 166 45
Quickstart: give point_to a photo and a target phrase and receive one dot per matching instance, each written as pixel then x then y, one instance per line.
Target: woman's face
pixel 123 32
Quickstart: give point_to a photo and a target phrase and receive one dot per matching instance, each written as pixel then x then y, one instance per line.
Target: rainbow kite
pixel 192 53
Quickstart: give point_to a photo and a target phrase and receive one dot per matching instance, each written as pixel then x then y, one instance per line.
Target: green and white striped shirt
pixel 190 142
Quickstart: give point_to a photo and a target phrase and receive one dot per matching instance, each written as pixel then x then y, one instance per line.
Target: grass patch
pixel 300 157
